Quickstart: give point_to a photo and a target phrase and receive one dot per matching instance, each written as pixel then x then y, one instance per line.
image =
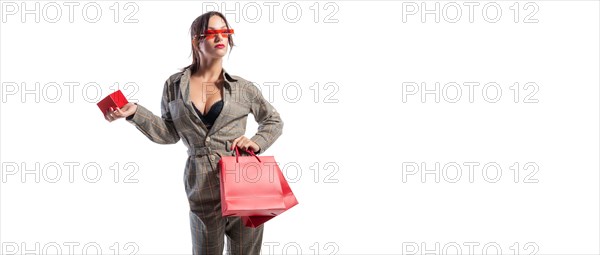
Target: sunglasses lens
pixel 228 32
pixel 211 33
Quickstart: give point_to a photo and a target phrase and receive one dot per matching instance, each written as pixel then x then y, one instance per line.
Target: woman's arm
pixel 160 130
pixel 270 125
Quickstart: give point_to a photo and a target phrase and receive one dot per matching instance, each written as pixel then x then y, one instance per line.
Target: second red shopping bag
pixel 253 187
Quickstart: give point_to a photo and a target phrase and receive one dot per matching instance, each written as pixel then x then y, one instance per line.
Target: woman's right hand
pixel 123 112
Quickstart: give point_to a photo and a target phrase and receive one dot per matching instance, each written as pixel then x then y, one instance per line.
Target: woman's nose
pixel 218 37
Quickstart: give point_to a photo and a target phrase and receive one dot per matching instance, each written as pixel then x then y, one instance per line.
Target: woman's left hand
pixel 245 143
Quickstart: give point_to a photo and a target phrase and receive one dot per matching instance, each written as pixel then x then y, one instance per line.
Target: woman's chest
pixel 205 95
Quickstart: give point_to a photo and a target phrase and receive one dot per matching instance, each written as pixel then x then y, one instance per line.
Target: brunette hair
pixel 199 26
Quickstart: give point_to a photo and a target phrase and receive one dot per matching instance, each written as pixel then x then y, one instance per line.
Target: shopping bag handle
pixel 237 152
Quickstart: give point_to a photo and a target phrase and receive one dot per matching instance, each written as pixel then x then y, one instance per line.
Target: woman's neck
pixel 210 70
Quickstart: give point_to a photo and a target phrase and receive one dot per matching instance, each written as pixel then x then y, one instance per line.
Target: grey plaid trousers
pixel 179 121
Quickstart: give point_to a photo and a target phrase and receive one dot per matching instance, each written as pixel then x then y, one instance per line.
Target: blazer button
pixel 212 157
pixel 208 139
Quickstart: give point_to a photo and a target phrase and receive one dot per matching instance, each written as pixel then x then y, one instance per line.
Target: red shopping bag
pixel 254 188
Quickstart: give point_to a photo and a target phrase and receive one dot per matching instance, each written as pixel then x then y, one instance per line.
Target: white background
pixel 354 150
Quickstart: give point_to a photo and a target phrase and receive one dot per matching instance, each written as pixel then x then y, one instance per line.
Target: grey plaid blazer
pixel 179 120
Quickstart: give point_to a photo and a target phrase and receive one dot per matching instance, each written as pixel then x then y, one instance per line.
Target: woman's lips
pixel 220 46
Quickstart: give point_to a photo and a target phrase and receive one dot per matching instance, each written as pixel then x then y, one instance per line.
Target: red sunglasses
pixel 211 33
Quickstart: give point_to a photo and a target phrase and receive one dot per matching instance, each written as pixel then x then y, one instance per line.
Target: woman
pixel 207 108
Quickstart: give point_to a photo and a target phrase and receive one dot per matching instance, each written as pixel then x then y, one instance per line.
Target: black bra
pixel 212 114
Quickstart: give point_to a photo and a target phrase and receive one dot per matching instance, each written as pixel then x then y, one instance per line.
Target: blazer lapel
pixel 184 85
pixel 228 86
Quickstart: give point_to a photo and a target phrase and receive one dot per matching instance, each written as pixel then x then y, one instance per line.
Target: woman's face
pixel 209 46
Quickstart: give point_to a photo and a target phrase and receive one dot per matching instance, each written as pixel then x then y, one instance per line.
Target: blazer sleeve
pixel 159 129
pixel 270 125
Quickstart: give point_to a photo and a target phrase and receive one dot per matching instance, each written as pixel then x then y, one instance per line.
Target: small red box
pixel 116 99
